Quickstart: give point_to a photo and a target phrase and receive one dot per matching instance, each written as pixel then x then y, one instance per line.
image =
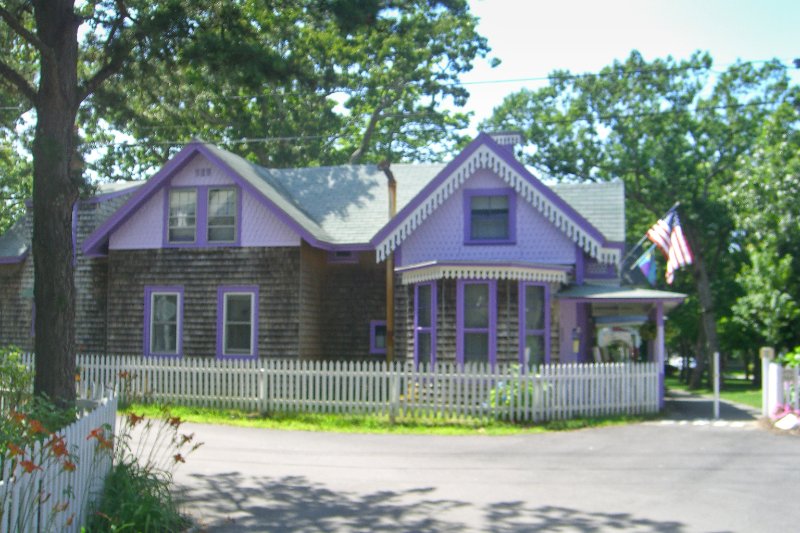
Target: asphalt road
pixel 680 475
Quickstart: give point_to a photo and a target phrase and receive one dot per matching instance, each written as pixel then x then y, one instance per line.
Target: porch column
pixel 660 351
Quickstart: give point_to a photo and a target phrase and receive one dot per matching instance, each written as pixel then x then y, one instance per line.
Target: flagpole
pixel 639 244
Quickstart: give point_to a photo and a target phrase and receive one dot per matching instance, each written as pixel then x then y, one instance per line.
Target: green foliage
pixel 16 379
pixel 137 495
pixel 791 359
pixel 767 214
pixel 671 133
pixel 136 500
pixel 321 90
pixel 767 307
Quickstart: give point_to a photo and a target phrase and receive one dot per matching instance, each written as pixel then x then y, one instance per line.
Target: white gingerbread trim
pixel 486 158
pixel 519 273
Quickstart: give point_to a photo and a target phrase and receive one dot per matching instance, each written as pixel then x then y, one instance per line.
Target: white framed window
pixel 163 320
pixel 237 322
pixel 222 204
pixel 182 215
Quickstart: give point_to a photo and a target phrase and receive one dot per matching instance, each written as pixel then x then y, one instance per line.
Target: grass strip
pixel 376 424
pixel 734 390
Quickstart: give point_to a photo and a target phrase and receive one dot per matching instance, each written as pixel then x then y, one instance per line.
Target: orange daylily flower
pixel 175 421
pixel 58 447
pixel 69 466
pixel 37 427
pixel 29 466
pixel 15 450
pixel 134 419
pixel 179 458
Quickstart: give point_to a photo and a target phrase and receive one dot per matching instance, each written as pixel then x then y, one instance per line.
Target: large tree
pixel 672 134
pixel 767 212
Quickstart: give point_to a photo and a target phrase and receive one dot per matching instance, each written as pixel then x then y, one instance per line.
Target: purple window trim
pixel 237 223
pixel 197 214
pixel 469 194
pixel 523 331
pixel 149 290
pixel 434 303
pixel 201 220
pixel 237 289
pixel 373 327
pixel 461 330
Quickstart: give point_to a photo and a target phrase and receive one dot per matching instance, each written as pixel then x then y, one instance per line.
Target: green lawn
pixel 735 390
pixel 373 423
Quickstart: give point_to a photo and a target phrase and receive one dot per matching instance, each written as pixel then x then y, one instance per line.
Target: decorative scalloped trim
pixel 486 158
pixel 483 272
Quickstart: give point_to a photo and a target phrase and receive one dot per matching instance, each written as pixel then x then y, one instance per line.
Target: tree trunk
pixel 54 193
pixel 708 321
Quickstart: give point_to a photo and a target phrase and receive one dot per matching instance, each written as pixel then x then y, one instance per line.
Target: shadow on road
pixel 232 502
pixel 679 405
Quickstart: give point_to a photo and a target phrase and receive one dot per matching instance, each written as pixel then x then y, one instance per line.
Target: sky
pixel 534 37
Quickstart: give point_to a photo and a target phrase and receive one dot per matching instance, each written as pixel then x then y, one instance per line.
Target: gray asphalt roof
pixel 348 204
pixel 17 240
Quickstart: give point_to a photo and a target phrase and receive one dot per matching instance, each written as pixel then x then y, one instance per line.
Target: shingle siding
pixel 16 304
pixel 352 295
pixel 276 271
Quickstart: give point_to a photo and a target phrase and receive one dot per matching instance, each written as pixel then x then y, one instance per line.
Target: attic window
pixel 222 215
pixel 182 215
pixel 489 216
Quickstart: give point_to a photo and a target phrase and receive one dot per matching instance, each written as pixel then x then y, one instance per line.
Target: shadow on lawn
pixel 231 502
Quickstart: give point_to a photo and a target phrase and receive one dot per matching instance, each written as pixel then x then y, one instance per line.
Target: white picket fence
pixel 779 386
pixel 51 497
pixel 445 390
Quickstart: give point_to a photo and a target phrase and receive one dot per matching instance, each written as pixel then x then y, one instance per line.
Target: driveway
pixel 682 474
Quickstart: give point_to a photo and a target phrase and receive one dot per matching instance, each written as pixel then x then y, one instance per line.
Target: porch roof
pixel 601 294
pixel 432 270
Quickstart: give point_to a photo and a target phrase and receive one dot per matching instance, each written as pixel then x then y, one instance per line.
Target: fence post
pixel 771 381
pixel 394 391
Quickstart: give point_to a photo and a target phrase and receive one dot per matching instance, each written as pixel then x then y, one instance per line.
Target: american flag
pixel 668 236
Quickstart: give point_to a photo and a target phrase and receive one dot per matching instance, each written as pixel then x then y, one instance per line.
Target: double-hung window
pixel 425 323
pixel 476 318
pixel 534 321
pixel 489 216
pixel 222 215
pixel 182 215
pixel 163 320
pixel 377 337
pixel 237 321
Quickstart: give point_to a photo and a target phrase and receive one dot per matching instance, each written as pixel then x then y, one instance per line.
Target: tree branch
pixel 23 32
pixel 114 59
pixel 17 80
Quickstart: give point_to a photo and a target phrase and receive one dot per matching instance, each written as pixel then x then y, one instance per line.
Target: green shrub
pixel 16 379
pixel 136 499
pixel 137 496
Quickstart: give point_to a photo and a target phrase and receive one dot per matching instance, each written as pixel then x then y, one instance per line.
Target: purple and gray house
pixel 214 256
